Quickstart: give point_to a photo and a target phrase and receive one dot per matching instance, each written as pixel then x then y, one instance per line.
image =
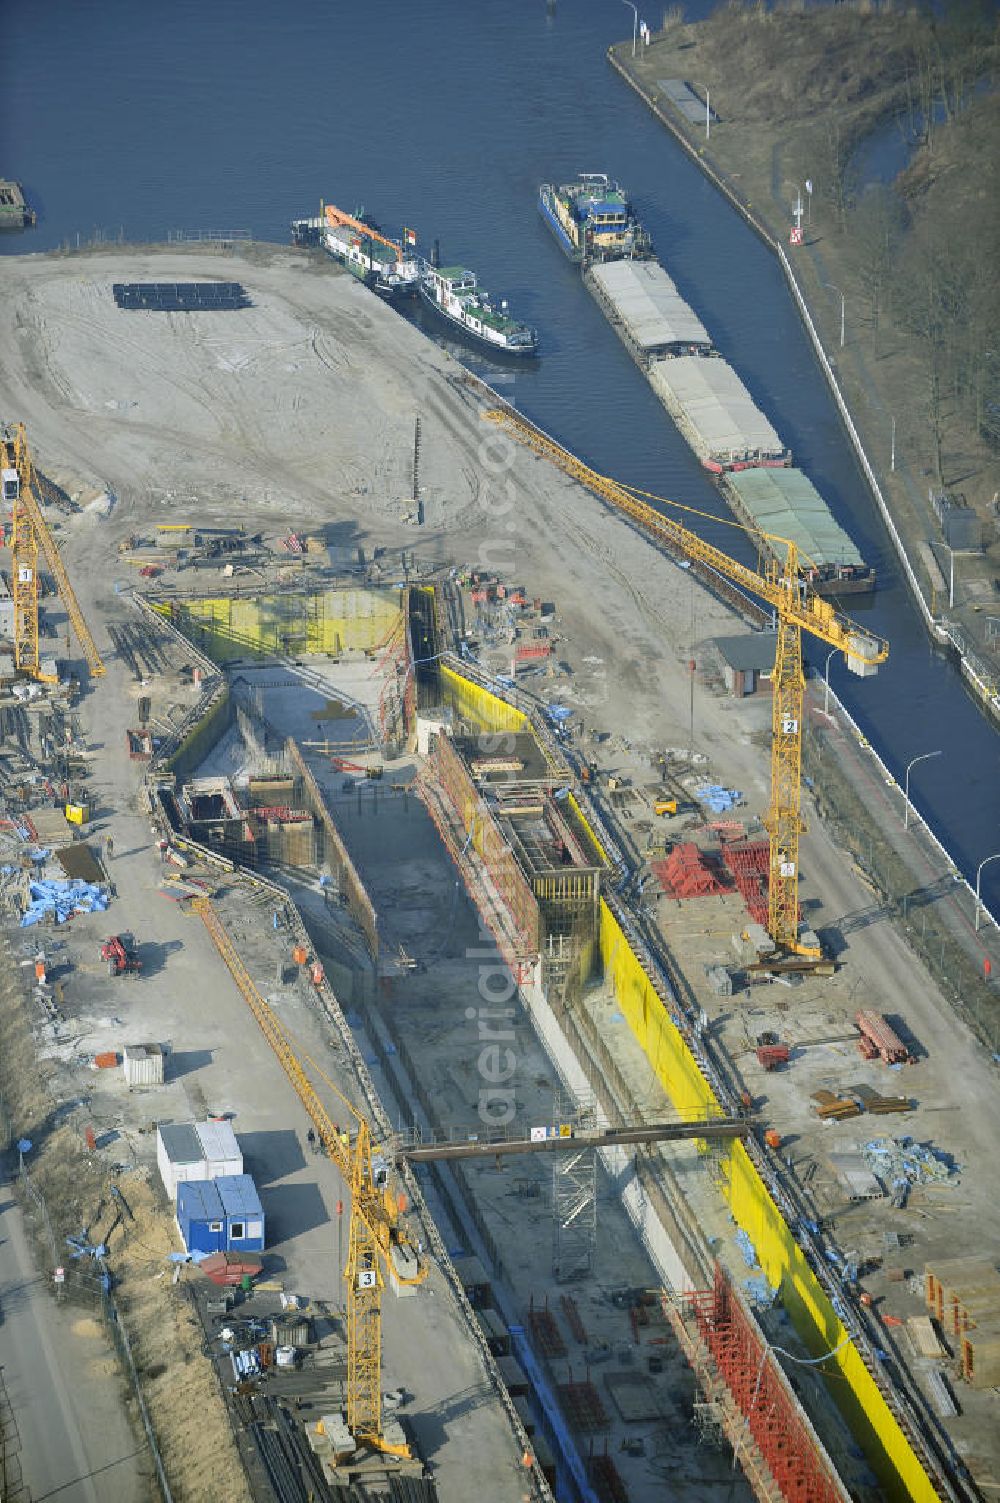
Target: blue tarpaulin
pixel 63 899
pixel 746 1248
pixel 558 713
pixel 718 798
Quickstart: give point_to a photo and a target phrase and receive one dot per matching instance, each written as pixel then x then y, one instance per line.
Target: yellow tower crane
pixel 377 1238
pixel 24 554
pixel 781 585
pixel 29 535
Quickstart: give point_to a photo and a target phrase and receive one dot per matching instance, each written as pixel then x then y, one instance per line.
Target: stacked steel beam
pixel 749 863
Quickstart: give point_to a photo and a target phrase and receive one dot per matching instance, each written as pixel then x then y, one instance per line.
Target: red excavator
pixel 121 955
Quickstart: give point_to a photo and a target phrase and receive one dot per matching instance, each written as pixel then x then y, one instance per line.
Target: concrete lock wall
pixel 477 706
pixel 335 852
pixel 202 736
pixel 856 1392
pixel 288 625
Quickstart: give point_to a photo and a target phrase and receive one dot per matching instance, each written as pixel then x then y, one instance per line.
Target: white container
pixel 284 1356
pixel 179 1156
pixel 142 1065
pixel 220 1148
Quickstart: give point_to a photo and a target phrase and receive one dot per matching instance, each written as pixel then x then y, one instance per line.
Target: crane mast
pixel 797 608
pixel 30 536
pixel 375 1234
pixel 24 562
pixel 784 822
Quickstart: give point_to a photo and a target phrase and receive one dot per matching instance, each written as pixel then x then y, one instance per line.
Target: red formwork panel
pixel 749 1370
pixel 688 873
pixel 749 862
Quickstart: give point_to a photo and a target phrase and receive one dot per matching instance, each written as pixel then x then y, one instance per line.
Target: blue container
pixel 220 1215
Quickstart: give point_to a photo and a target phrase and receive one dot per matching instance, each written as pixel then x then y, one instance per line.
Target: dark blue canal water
pixel 445 116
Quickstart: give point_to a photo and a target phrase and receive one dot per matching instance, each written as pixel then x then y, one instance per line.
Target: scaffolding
pixel 574 1218
pixel 738 1372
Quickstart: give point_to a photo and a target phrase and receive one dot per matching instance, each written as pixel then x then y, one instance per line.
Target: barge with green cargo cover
pixel 786 504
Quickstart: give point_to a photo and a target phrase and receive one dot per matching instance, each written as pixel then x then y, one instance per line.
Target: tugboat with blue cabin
pixel 592 220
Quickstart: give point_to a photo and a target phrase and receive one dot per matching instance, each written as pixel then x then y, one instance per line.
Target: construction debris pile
pixel 900 1163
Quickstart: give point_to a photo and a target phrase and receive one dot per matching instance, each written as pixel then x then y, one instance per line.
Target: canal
pixel 445 116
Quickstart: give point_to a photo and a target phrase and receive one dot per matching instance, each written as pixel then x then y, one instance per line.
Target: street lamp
pixel 798 207
pixel 979 871
pixel 892 447
pixel 906 785
pixel 635 21
pixel 842 306
pixel 708 112
pixel 826 680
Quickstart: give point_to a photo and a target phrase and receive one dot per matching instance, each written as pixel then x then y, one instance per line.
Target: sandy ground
pixel 302 409
pixel 300 413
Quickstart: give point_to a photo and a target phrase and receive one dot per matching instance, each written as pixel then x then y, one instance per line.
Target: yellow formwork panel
pixel 872 1422
pixel 855 1391
pixel 673 1063
pixel 598 847
pixel 472 702
pixel 293 624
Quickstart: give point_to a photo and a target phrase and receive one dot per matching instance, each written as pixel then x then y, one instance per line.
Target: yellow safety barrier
pixel 487 711
pixel 598 847
pixel 673 1063
pixel 855 1391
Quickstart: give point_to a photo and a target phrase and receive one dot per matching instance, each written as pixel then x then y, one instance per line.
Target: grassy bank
pixel 794 93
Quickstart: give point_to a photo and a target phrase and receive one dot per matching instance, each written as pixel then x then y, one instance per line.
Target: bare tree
pixel 876 225
pixel 824 155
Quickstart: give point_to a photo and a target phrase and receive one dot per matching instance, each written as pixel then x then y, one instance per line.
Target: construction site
pixel 431 1062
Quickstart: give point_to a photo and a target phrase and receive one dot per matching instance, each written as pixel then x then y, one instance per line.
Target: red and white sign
pixel 795 235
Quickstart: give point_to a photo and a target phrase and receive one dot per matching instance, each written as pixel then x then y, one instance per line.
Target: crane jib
pixel 783 586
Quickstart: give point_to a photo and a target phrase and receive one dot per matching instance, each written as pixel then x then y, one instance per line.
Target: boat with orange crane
pixel 389 267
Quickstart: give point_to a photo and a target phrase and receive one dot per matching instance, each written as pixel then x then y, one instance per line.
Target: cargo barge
pixel 786 504
pixel 455 296
pixel 15 213
pixel 716 415
pixel 647 312
pixel 592 220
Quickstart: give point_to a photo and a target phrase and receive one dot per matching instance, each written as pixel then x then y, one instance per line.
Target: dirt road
pixel 75 1443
